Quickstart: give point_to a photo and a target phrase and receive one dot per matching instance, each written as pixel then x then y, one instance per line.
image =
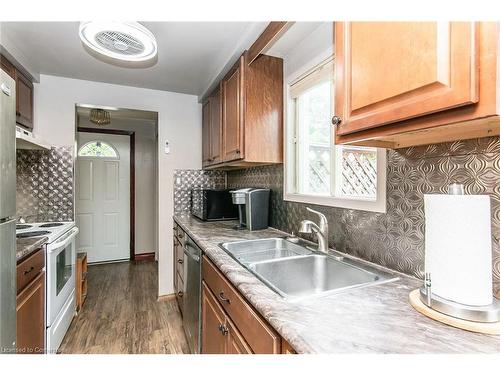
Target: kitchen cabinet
pixel 251 116
pixel 226 313
pixel 399 84
pixel 30 331
pixel 219 334
pixel 233 120
pixel 24 101
pixel 178 266
pixel 212 129
pixel 213 318
pixel 24 94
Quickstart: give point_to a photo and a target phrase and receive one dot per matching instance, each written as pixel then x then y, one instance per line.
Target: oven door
pixel 61 257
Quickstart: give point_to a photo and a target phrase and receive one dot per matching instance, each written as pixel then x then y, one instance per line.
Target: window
pixel 318 171
pixel 98 149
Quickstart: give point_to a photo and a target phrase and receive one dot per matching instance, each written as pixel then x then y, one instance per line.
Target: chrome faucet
pixel 321 230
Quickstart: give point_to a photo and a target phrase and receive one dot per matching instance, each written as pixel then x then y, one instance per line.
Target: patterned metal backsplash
pixel 45 184
pixel 187 180
pixel 396 239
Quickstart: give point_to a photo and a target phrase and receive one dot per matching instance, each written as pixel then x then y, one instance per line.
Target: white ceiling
pixel 190 54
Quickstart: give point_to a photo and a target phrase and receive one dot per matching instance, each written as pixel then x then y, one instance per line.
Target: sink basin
pixel 312 275
pixel 251 251
pixel 296 272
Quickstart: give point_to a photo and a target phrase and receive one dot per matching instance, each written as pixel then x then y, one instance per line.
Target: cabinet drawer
pixel 28 269
pixel 256 332
pixel 179 260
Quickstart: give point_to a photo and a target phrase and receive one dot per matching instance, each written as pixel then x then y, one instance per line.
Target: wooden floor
pixel 122 314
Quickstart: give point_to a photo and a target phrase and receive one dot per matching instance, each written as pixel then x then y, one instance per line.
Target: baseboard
pixel 166 297
pixel 149 257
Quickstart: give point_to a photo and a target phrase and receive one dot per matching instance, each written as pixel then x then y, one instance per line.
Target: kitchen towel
pixel 458 252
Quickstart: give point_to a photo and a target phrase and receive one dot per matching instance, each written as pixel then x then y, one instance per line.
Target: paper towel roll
pixel 458 247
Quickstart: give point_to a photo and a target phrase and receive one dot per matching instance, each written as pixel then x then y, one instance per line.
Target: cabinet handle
pixel 180 261
pixel 238 151
pixel 224 299
pixel 336 120
pixel 180 294
pixel 181 235
pixel 223 329
pixel 28 271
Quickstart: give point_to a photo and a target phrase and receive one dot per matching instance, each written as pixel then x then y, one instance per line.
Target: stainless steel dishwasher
pixel 192 295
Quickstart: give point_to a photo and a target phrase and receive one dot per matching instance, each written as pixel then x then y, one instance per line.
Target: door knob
pixel 336 120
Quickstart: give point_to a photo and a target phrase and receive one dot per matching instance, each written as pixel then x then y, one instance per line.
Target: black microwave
pixel 213 204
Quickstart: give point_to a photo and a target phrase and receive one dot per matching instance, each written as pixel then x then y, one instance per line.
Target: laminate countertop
pixel 373 319
pixel 26 246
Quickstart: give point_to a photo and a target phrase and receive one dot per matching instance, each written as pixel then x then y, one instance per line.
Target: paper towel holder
pixel 483 314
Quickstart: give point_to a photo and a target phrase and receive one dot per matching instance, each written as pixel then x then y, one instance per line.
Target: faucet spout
pixel 321 230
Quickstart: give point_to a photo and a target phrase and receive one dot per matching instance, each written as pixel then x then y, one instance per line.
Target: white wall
pixel 145 177
pixel 179 122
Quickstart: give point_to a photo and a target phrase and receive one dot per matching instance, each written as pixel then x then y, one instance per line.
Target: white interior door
pixel 103 196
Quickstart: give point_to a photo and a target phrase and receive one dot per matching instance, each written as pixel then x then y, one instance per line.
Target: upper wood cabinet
pixel 399 84
pixel 24 94
pixel 233 120
pixel 24 101
pixel 251 116
pixel 212 129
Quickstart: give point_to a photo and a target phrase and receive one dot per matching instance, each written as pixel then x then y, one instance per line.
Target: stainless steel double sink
pixel 295 271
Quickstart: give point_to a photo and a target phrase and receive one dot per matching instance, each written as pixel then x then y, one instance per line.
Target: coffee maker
pixel 253 207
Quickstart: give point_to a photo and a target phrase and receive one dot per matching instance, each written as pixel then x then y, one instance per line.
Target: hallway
pixel 122 315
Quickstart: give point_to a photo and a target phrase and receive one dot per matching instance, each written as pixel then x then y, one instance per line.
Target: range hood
pixel 25 140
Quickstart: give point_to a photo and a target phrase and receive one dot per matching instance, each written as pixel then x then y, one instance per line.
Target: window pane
pixel 359 172
pixel 314 130
pixel 98 149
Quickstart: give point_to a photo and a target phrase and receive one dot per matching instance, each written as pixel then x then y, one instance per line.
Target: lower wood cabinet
pixel 30 326
pixel 229 323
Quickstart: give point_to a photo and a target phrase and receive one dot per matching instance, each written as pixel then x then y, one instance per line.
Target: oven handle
pixel 63 241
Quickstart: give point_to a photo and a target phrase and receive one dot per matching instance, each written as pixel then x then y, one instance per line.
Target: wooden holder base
pixel 488 328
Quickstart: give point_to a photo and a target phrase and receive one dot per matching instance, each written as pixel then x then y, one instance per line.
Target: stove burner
pixel 50 225
pixel 23 226
pixel 36 233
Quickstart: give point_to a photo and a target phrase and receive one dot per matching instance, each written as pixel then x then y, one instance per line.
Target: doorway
pixel 116 184
pixel 105 183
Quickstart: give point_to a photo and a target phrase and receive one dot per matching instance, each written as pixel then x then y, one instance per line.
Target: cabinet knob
pixel 336 120
pixel 180 294
pixel 180 261
pixel 238 151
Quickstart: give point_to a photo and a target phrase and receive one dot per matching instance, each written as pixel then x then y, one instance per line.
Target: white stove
pixel 60 262
pixel 51 230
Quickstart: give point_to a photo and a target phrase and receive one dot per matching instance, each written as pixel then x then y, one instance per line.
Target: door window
pixel 98 149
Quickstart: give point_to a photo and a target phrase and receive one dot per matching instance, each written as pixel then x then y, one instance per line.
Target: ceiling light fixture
pixel 100 117
pixel 125 41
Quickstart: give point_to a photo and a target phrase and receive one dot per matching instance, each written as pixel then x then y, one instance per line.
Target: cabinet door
pixel 206 158
pixel 215 128
pixel 392 71
pixel 213 338
pixel 7 67
pixel 233 122
pixel 31 317
pixel 236 344
pixel 24 101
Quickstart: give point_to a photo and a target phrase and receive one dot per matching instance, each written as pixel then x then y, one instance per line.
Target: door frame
pixel 131 135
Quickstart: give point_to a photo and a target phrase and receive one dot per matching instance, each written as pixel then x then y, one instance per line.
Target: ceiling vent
pixel 126 41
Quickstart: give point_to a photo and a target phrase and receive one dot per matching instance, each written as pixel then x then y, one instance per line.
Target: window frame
pixel 116 157
pixel 292 157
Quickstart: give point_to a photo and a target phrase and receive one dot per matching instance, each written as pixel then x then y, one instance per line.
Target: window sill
pixel 378 205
